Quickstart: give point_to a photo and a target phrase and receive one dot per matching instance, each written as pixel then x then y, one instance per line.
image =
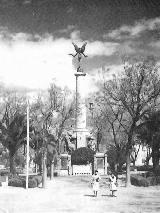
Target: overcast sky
pixel 36 36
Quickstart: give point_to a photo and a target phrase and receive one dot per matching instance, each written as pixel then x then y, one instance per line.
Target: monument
pixel 80 130
pixel 83 138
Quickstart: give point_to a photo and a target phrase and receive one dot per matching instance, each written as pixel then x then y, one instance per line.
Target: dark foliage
pixel 148 132
pixel 82 156
pixel 18 181
pixel 157 171
pixel 116 155
pixel 32 183
pixel 38 178
pixel 4 172
pixel 144 168
pixel 138 180
pixel 152 181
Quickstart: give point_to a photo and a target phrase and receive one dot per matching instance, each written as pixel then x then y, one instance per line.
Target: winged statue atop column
pixel 79 51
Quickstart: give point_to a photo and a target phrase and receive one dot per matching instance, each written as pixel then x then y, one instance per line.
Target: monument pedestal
pixel 81 137
pixel 80 130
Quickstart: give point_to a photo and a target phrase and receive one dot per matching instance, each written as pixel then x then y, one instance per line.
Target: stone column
pixel 52 169
pixel 80 130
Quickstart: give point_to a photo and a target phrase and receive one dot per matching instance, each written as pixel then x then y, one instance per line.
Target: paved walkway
pixel 74 194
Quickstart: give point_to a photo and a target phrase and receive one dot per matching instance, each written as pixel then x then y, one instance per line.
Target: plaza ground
pixel 74 194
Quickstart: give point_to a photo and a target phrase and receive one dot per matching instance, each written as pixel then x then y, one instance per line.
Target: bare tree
pixel 136 91
pixel 51 113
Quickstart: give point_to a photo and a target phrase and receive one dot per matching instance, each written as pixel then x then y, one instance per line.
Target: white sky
pixel 35 65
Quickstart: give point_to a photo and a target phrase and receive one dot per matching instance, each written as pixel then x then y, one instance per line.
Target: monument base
pixel 81 136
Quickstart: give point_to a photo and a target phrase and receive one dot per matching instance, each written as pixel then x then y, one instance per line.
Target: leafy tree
pixel 13 134
pixel 13 124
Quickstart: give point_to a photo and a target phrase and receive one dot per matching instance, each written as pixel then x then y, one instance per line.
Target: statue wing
pixel 83 47
pixel 76 47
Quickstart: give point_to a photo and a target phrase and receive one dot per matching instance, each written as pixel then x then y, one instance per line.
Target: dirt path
pixel 74 194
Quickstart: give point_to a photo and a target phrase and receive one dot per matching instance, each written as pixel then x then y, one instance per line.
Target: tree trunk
pixel 52 169
pixel 44 176
pixel 128 156
pixel 36 168
pixel 134 164
pixel 116 170
pixel 155 154
pixel 128 178
pixel 12 162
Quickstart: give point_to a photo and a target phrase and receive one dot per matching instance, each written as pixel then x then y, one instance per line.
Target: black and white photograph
pixel 79 106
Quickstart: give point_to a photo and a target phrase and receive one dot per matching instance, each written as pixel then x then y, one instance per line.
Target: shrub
pixel 152 181
pixel 158 180
pixel 0 184
pixel 149 174
pixel 82 156
pixel 32 183
pixel 17 182
pixel 157 171
pixel 138 180
pixel 38 178
pixel 4 172
pixel 21 181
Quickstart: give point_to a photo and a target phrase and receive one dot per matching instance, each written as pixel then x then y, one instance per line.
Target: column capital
pixel 80 74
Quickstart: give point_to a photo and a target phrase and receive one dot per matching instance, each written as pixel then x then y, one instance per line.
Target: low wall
pixel 82 169
pixel 4 181
pixel 63 172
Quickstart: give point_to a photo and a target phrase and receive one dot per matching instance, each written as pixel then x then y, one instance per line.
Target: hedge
pixel 154 180
pixel 32 183
pixel 138 180
pixel 82 156
pixel 21 181
pixel 157 171
pixel 17 182
pixel 38 178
